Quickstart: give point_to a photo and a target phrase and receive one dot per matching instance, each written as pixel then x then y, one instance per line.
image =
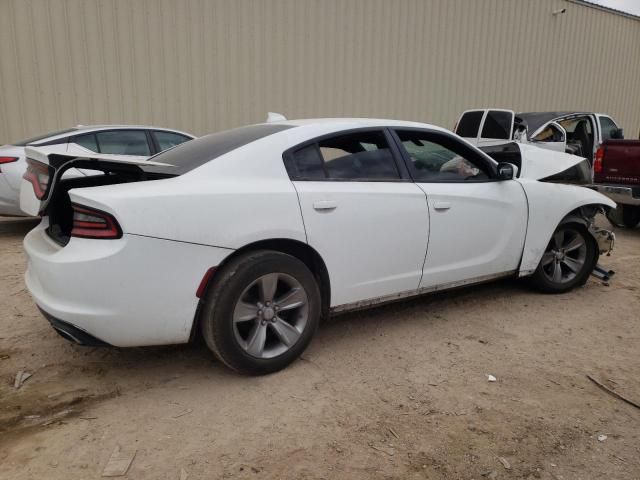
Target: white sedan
pixel 125 140
pixel 249 237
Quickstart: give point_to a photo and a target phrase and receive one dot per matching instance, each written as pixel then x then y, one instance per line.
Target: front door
pixel 477 224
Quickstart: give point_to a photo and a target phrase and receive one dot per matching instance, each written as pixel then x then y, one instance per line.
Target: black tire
pixel 624 216
pixel 216 319
pixel 614 215
pixel 541 279
pixel 630 216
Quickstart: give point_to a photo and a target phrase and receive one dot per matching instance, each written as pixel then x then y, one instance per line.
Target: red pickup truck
pixel 616 174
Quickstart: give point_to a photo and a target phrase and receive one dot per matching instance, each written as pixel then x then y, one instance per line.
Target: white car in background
pixel 132 140
pixel 249 236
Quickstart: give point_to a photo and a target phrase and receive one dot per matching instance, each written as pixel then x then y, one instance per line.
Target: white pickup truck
pixel 578 133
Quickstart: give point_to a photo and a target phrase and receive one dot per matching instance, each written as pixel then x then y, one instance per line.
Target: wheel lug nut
pixel 273 320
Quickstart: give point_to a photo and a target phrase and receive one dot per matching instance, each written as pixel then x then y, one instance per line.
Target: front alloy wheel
pixel 568 259
pixel 565 256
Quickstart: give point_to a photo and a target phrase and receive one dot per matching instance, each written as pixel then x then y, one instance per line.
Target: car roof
pixel 346 123
pixel 535 120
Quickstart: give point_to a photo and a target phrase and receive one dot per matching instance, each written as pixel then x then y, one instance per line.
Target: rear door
pixel 361 212
pixel 477 224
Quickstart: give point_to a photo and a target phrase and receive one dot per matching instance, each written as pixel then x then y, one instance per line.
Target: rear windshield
pixel 194 153
pixel 24 143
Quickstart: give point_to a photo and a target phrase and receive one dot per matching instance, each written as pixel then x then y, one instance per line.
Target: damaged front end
pixel 605 240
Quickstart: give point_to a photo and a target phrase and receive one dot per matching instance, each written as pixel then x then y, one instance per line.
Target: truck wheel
pixel 261 312
pixel 567 261
pixel 614 215
pixel 630 216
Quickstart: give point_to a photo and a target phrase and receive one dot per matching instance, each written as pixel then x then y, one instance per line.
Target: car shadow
pixel 16 226
pixel 194 360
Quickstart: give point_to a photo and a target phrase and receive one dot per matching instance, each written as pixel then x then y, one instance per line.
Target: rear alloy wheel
pixel 567 261
pixel 261 312
pixel 270 315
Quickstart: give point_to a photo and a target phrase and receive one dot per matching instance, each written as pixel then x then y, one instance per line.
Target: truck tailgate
pixel 620 162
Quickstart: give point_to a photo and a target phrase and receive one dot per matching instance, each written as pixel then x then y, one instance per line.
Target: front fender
pixel 549 204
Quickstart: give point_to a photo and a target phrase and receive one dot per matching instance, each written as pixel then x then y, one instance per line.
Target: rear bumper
pixel 73 333
pixel 132 291
pixel 619 193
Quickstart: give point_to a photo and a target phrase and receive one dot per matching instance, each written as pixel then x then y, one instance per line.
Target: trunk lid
pixel 47 165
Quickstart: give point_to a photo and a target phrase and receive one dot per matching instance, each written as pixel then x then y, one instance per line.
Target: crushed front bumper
pixel 606 239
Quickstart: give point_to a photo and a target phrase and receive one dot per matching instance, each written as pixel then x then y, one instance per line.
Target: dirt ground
pixel 398 392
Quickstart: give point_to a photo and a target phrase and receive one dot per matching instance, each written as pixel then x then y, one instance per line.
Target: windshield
pixel 197 152
pixel 37 138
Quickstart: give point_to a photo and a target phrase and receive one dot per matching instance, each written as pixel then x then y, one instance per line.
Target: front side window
pixel 608 127
pixel 360 156
pixel 469 124
pixel 550 134
pixel 573 125
pixel 437 158
pixel 497 125
pixel 168 139
pixel 123 142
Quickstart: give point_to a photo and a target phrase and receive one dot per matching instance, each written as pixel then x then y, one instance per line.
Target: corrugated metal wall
pixel 205 65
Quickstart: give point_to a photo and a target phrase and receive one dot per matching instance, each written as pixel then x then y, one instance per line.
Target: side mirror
pixel 506 171
pixel 617 133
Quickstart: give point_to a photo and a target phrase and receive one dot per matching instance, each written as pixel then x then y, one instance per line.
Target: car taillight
pixel 38 175
pixel 597 163
pixel 7 160
pixel 92 223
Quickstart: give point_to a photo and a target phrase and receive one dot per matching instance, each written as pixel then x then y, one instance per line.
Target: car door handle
pixel 442 205
pixel 325 205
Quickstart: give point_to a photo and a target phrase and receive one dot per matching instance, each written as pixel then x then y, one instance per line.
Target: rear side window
pixel 167 140
pixel 124 142
pixel 469 124
pixel 38 138
pixel 551 133
pixel 360 156
pixel 88 140
pixel 497 125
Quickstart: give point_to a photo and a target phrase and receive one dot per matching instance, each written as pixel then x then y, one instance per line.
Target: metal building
pixel 207 65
